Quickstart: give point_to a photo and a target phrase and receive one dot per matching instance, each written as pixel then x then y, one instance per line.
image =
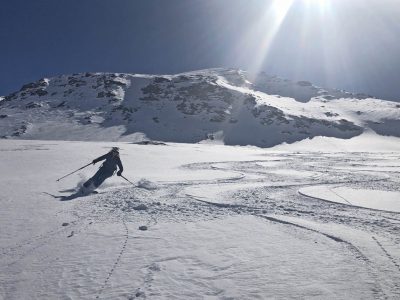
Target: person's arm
pixel 121 168
pixel 103 157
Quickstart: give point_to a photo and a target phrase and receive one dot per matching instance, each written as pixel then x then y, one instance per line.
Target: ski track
pixel 379 292
pixel 30 246
pixel 169 202
pixel 387 253
pixel 117 260
pixel 278 196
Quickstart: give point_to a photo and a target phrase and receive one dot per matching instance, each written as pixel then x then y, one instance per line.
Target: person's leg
pixel 88 182
pixel 93 179
pixel 102 176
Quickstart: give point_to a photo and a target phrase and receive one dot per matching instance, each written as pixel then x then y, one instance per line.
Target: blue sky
pixel 349 44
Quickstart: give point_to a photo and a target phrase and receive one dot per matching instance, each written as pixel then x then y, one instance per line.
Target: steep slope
pixel 214 104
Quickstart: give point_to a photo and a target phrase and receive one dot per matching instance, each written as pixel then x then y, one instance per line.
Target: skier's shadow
pixel 65 198
pixel 68 190
pixel 73 196
pixel 76 194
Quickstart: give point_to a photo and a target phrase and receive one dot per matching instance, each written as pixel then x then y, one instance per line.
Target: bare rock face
pixel 141 207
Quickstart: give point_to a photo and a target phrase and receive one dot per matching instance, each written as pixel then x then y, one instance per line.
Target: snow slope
pixel 374 199
pixel 204 220
pixel 222 223
pixel 368 141
pixel 217 105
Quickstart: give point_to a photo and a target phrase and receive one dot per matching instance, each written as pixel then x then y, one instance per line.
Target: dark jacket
pixel 112 160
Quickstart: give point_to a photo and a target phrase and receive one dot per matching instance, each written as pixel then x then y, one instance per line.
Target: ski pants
pixel 98 178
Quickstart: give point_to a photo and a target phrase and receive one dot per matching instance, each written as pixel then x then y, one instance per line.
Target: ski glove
pixel 119 173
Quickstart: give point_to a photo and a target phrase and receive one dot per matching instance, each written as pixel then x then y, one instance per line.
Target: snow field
pixel 375 199
pixel 222 223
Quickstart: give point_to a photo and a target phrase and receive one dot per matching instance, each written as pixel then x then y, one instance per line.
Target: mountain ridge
pixel 226 105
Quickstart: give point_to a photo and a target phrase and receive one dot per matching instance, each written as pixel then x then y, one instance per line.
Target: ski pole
pixel 127 179
pixel 74 171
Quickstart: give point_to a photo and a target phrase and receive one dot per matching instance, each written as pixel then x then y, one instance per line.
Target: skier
pixel 107 169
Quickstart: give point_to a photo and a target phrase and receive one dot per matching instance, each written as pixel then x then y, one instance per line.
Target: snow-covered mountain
pixel 215 104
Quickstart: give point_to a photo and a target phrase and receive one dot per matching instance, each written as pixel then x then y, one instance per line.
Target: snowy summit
pixel 220 105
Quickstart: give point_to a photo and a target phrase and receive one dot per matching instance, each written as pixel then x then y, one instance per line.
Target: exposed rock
pixel 330 114
pixel 34 85
pixel 304 83
pixel 161 80
pixel 140 207
pixel 150 143
pixel 33 105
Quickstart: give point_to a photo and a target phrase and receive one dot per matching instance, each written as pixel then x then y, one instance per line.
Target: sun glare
pixel 280 8
pixel 322 5
pixel 265 30
pixel 315 2
pixel 254 48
